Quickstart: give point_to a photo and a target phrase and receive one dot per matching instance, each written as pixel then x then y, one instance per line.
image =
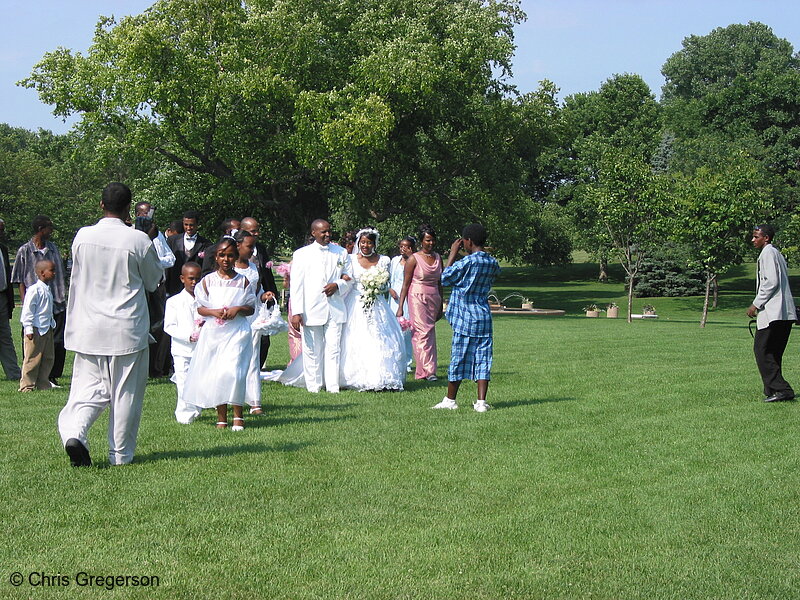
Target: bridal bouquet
pixel 375 282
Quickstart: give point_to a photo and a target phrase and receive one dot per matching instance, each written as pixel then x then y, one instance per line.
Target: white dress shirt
pixel 113 265
pixel 188 243
pixel 37 309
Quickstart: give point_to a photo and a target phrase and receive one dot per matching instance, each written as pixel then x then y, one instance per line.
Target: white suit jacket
pixel 179 316
pixel 313 267
pixel 774 299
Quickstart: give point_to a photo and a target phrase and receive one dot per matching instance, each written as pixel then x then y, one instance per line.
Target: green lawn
pixel 621 461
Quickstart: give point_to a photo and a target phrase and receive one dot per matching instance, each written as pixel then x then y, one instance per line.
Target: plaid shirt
pixel 24 272
pixel 471 279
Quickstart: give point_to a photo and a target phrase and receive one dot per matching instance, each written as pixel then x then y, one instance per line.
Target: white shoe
pixel 446 403
pixel 432 378
pixel 481 406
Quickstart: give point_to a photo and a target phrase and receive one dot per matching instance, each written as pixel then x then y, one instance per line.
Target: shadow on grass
pixel 274 422
pixel 532 401
pixel 216 451
pixel 305 407
pixel 423 384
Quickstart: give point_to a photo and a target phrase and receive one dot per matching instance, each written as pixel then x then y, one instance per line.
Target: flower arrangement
pixel 590 308
pixel 405 324
pixel 375 282
pixel 219 320
pixel 195 335
pixel 282 269
pixel 612 305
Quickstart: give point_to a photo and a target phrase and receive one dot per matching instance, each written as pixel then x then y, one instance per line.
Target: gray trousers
pixel 8 356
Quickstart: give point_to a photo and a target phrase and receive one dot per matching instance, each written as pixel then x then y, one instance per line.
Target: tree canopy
pixel 365 109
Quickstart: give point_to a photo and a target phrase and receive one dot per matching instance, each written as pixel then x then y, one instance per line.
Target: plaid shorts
pixel 470 358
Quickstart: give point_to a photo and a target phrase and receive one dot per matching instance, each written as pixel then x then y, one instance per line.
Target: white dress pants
pixel 117 382
pixel 321 352
pixel 184 413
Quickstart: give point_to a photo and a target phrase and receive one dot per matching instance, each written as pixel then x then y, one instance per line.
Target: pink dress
pixel 424 303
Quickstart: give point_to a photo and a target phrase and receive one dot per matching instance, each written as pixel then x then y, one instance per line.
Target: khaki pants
pixel 39 355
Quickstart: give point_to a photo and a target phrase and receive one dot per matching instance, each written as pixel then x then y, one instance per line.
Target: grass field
pixel 621 461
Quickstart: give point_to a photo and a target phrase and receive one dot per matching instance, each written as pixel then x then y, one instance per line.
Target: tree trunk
pixel 709 279
pixel 630 297
pixel 716 293
pixel 603 276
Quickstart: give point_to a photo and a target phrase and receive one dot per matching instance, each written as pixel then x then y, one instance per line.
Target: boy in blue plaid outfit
pixel 469 315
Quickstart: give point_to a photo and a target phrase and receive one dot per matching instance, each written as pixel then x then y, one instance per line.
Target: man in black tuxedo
pixel 8 356
pixel 266 278
pixel 188 246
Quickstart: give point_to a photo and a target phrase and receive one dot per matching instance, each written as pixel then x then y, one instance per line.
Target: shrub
pixel 665 272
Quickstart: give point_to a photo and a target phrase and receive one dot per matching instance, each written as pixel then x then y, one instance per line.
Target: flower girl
pixel 218 372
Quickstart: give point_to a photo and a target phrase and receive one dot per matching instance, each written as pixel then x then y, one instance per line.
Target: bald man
pixel 318 286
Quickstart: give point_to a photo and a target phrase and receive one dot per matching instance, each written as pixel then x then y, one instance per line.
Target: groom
pixel 317 287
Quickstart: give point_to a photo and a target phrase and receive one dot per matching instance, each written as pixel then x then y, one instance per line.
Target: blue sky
pixel 577 44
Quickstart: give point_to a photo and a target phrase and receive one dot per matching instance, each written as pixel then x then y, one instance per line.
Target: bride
pixel 373 347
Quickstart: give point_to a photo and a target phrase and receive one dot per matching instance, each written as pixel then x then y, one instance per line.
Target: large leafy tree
pixel 364 109
pixel 715 211
pixel 741 84
pixel 622 115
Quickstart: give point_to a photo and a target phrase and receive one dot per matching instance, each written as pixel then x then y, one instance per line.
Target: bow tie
pixel 191 238
pixel 323 248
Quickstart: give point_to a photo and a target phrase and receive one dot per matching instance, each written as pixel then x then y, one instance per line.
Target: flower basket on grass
pixel 591 310
pixel 612 310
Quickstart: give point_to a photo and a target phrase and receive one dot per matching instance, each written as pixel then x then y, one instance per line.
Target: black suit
pixel 267 281
pixel 173 274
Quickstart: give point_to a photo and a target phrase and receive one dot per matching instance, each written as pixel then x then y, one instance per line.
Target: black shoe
pixel 779 397
pixel 78 454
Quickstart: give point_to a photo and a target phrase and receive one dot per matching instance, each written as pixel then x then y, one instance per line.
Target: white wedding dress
pixel 373 348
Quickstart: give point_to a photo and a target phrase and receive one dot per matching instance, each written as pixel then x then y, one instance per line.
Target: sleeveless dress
pixel 218 371
pixel 424 303
pixel 373 348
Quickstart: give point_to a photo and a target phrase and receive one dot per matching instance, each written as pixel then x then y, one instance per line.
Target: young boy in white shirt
pixel 182 324
pixel 37 324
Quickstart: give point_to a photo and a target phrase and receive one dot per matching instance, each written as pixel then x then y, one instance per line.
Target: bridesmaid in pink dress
pixel 422 287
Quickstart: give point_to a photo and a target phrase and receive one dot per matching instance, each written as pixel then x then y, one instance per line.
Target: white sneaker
pixel 481 406
pixel 432 378
pixel 446 403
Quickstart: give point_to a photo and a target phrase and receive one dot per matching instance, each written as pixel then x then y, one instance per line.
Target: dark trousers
pixel 58 345
pixel 160 356
pixel 768 346
pixel 263 351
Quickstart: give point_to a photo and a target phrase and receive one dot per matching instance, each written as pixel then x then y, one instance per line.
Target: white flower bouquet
pixel 375 282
